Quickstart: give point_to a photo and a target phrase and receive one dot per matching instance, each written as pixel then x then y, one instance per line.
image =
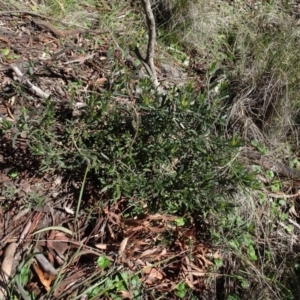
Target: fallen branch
pixel 36 90
pixel 45 264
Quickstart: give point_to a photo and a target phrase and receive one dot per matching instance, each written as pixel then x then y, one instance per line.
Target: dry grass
pixel 265 71
pixel 257 47
pixel 272 276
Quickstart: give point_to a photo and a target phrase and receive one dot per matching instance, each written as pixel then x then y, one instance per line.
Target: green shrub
pixel 168 154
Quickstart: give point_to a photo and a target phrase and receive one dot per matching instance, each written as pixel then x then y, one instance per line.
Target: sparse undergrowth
pixel 132 154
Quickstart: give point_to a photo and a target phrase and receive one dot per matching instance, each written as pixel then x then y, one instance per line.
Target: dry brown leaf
pixel 68 208
pixel 148 252
pixel 156 229
pixel 152 272
pixel 161 217
pixel 100 81
pixel 293 211
pixel 80 59
pixel 162 253
pixel 140 262
pixel 123 245
pixel 101 246
pixel 168 285
pixel 217 254
pixel 130 264
pixel 45 278
pixel 60 244
pixel 50 245
pixel 125 294
pixel 135 229
pixel 139 243
pixel 8 259
pixel 152 275
pixel 63 285
pixel 196 273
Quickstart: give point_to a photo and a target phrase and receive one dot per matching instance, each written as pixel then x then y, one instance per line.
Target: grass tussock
pixel 256 45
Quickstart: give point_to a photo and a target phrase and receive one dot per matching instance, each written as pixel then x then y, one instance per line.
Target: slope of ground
pixel 112 190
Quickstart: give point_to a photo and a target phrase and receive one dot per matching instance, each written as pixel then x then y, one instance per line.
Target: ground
pixel 110 190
